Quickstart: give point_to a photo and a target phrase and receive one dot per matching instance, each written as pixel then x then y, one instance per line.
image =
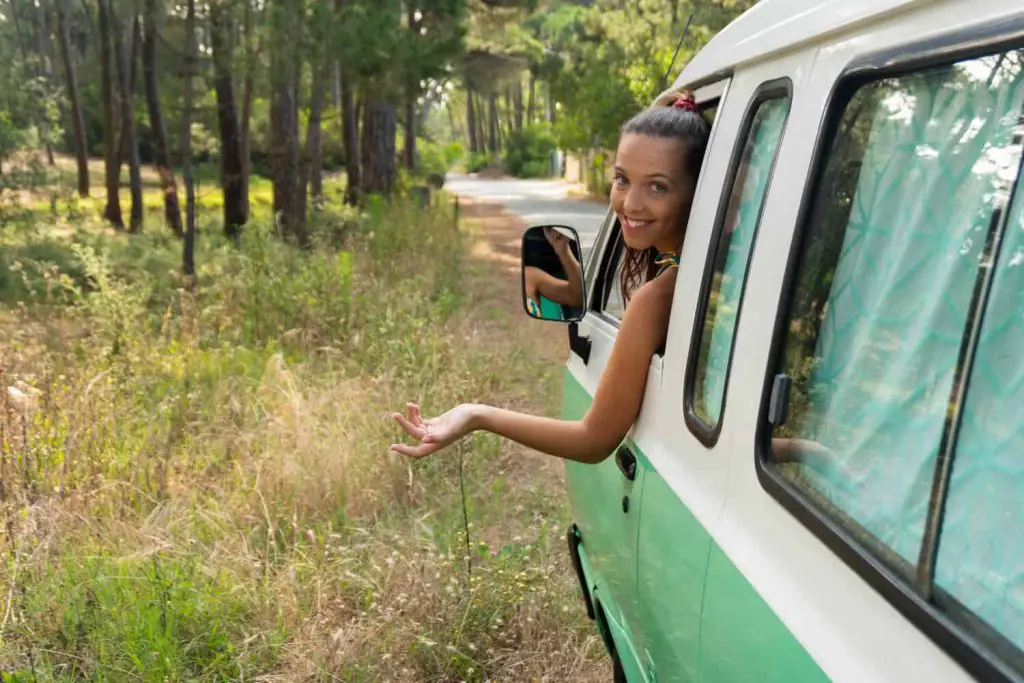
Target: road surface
pixel 537 202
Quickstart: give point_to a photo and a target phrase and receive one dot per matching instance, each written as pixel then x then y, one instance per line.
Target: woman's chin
pixel 637 242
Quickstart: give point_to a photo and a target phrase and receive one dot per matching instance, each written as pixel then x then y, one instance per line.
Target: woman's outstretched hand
pixel 434 433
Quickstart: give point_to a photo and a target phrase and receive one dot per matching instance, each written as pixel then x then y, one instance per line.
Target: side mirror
pixel 552 275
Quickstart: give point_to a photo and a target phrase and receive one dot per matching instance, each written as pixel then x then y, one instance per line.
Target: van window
pixel 981 548
pixel 888 294
pixel 612 303
pixel 737 227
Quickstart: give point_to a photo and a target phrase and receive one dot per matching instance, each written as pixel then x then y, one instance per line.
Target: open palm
pixel 434 433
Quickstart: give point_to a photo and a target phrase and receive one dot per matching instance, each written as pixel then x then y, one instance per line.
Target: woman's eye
pixel 619 179
pixel 658 188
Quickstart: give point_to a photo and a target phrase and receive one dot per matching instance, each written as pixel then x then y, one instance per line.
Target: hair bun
pixel 685 101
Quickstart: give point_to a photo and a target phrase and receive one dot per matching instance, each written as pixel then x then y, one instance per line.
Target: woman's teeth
pixel 637 224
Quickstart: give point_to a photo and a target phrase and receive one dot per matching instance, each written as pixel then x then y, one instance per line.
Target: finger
pixel 418 413
pixel 414 430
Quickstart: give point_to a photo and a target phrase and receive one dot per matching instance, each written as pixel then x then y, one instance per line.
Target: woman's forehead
pixel 648 155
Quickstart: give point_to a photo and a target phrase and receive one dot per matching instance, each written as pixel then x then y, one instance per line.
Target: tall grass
pixel 195 484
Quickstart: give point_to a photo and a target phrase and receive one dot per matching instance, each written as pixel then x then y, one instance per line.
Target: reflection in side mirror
pixel 553 274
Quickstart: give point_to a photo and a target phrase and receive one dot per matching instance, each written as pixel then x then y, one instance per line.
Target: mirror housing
pixel 552 274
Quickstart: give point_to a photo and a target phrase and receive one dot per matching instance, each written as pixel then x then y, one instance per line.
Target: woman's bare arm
pixel 565 292
pixel 614 410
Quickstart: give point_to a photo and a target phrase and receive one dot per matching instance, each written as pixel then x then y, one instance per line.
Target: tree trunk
pixel 247 98
pixel 161 153
pixel 517 100
pixel 481 123
pixel 531 102
pixel 191 57
pixel 492 123
pixel 410 131
pixel 45 72
pixel 112 211
pixel 131 148
pixel 474 145
pixel 133 60
pixel 350 133
pixel 71 82
pixel 312 162
pixel 231 166
pixel 285 152
pixel 379 127
pixel 336 84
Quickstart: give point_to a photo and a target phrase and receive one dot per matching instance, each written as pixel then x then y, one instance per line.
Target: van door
pixel 685 489
pixel 605 498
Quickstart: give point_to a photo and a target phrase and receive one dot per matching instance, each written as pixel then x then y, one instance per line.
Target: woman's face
pixel 651 193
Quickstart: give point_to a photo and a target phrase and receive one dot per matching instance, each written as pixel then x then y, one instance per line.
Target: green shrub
pixel 432 163
pixel 478 161
pixel 529 152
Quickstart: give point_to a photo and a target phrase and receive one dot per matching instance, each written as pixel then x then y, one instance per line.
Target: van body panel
pixel 779 26
pixel 742 638
pixel 608 533
pixel 673 564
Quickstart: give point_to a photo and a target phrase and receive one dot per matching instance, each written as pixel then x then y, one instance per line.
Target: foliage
pixel 478 161
pixel 203 490
pixel 529 152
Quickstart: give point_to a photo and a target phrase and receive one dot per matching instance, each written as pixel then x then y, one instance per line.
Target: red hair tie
pixel 685 102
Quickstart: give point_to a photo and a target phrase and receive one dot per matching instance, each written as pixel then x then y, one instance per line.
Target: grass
pixel 195 483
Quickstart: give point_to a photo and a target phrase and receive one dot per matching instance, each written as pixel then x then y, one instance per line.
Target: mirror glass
pixel 553 273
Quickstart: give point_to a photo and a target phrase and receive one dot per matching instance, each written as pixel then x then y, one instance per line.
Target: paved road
pixel 537 202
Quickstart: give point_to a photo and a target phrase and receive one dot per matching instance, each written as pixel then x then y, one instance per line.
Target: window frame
pixel 943 620
pixel 777 88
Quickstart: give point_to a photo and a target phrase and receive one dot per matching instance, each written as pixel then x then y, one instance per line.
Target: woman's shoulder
pixel 654 297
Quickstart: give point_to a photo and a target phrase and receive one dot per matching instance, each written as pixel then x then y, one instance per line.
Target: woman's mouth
pixel 634 224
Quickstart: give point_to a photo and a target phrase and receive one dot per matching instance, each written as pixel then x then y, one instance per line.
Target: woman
pixel 568 292
pixel 657 161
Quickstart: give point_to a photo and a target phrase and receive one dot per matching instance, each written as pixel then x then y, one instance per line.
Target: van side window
pixel 980 562
pixel 903 358
pixel 612 304
pixel 722 293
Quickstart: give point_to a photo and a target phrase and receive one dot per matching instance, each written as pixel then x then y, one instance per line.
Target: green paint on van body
pixel 685 610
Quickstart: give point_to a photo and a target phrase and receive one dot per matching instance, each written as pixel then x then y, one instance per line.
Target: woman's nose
pixel 633 203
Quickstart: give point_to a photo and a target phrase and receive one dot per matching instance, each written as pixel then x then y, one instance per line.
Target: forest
pixel 226 253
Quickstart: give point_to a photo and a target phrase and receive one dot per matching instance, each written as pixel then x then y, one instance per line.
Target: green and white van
pixel 826 480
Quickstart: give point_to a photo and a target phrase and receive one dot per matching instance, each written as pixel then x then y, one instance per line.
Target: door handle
pixel 626 461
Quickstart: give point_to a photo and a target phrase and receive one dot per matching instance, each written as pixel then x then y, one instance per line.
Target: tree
pixel 378 151
pixel 191 58
pixel 350 133
pixel 158 130
pixel 71 84
pixel 284 122
pixel 435 36
pixel 112 211
pixel 130 148
pixel 321 20
pixel 232 168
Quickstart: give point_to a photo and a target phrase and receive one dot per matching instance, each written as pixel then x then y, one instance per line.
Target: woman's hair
pixel 678 118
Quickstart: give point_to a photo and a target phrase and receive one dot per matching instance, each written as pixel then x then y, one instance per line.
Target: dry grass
pixel 198 486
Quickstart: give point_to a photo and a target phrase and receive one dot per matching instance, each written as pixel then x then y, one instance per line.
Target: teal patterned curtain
pixel 938 148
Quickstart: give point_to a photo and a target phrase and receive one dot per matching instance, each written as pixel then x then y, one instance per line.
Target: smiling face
pixel 652 192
